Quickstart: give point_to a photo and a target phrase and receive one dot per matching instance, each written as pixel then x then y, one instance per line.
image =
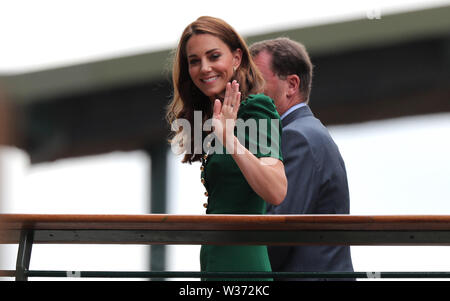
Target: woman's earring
pixel 234 69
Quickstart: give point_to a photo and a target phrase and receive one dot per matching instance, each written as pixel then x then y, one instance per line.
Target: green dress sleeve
pixel 258 126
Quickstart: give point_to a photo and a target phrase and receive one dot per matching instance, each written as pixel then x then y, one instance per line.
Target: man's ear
pixel 293 82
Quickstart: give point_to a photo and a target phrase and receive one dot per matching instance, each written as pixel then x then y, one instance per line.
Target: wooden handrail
pixel 29 229
pixel 199 229
pixel 223 222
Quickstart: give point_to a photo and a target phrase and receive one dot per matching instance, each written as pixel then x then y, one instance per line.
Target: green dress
pixel 229 193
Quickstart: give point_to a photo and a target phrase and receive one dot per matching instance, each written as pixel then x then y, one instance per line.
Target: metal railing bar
pixel 190 274
pixel 233 237
pixel 24 254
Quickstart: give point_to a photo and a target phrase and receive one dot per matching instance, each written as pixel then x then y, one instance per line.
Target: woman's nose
pixel 206 66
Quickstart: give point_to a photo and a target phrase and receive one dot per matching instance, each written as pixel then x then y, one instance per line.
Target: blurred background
pixel 83 90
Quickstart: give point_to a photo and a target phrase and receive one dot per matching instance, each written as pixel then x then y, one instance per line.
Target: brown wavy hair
pixel 187 98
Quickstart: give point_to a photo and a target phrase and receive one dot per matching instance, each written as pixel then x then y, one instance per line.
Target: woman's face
pixel 211 64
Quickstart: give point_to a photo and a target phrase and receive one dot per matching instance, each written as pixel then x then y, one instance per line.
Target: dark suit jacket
pixel 317 184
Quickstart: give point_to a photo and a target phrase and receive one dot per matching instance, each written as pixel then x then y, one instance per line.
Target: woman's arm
pixel 265 175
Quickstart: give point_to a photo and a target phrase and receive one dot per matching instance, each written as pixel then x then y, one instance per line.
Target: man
pixel 317 179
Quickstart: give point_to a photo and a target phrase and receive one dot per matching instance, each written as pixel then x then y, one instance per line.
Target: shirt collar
pixel 291 109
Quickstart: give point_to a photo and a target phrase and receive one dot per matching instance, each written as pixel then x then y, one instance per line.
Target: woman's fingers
pixel 232 97
pixel 237 102
pixel 225 113
pixel 236 97
pixel 217 107
pixel 227 98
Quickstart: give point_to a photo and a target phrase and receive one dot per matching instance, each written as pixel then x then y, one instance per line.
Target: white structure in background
pixel 52 29
pixel 116 183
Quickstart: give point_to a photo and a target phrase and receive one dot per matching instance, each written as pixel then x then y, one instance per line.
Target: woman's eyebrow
pixel 207 52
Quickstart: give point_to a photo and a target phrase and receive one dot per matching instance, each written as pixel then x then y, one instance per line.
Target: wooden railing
pixel 29 229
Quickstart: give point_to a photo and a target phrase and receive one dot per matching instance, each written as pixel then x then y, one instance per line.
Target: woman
pixel 214 73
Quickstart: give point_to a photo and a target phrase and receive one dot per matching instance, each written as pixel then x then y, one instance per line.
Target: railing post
pixel 158 201
pixel 24 254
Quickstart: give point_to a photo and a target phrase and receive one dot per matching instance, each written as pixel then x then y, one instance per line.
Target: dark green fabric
pixel 229 192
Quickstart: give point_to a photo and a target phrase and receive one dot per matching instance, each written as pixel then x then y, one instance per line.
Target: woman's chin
pixel 214 95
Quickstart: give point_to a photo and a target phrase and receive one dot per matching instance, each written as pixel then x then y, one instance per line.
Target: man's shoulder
pixel 308 131
pixel 306 125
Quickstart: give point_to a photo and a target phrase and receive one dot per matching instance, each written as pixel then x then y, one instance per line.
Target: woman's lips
pixel 209 79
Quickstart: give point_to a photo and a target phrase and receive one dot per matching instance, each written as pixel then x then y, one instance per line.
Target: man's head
pixel 287 69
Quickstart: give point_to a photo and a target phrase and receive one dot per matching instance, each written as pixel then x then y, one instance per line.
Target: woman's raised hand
pixel 225 114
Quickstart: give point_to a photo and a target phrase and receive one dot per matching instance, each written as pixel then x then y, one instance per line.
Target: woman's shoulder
pixel 258 104
pixel 256 99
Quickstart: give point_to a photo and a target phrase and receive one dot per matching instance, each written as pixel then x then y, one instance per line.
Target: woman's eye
pixel 193 61
pixel 215 56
